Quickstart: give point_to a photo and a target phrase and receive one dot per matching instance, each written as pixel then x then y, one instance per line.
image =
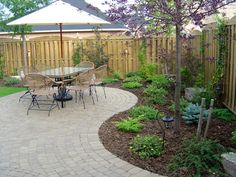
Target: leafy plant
pixel 147 146
pixel 161 81
pixel 144 111
pixel 233 139
pixel 2 65
pixel 183 104
pixel 208 93
pixel 186 77
pixel 132 79
pixel 131 74
pixel 155 95
pixel 192 114
pixel 11 81
pixel 223 114
pixel 129 125
pixel 199 156
pixel 109 80
pixel 116 75
pixel 148 70
pixel 131 85
pixel 76 57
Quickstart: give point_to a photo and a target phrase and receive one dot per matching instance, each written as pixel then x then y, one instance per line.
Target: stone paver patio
pixel 65 144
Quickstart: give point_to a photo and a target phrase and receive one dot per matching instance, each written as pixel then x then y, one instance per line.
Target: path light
pixel 168 121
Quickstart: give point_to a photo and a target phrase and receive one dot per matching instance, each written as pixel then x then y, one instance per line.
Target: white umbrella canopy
pixel 58 13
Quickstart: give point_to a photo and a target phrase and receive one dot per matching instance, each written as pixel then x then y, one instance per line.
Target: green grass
pixel 4 91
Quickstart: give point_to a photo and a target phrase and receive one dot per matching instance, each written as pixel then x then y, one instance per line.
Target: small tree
pixel 148 17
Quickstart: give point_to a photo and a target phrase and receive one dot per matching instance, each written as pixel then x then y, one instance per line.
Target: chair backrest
pixel 85 78
pixel 101 72
pixel 86 64
pixel 36 81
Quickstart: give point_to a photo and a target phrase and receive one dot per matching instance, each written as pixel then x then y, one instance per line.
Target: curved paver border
pixel 64 144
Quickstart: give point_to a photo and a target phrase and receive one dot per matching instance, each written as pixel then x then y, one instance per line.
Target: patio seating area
pixel 64 144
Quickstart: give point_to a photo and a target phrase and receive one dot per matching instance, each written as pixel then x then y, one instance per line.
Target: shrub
pixel 129 125
pixel 2 66
pixel 116 75
pixel 224 114
pixel 132 79
pixel 131 85
pixel 186 77
pixel 192 113
pixel 144 111
pixel 183 104
pixel 131 74
pixel 11 81
pixel 109 80
pixel 161 81
pixel 199 156
pixel 76 57
pixel 155 95
pixel 148 70
pixel 233 139
pixel 147 146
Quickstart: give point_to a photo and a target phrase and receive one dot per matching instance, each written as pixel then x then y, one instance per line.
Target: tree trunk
pixel 178 80
pixel 25 67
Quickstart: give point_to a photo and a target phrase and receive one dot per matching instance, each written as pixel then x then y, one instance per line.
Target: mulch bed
pixel 117 142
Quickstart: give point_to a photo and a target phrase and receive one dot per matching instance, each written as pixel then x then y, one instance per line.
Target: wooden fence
pixel 123 55
pixel 211 54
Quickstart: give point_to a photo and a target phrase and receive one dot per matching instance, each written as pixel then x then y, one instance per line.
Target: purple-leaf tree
pixel 151 17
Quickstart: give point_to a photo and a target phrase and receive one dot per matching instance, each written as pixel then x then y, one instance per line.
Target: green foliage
pixel 192 113
pixel 11 81
pixel 161 81
pixel 131 85
pixel 233 138
pixel 116 75
pixel 147 146
pixel 208 93
pixel 224 114
pixel 18 9
pixel 183 104
pixel 76 57
pixel 199 80
pixel 142 53
pixel 131 74
pixel 155 95
pixel 148 70
pixel 2 66
pixel 186 77
pixel 109 80
pixel 133 79
pixel 199 156
pixel 112 79
pixel 144 111
pixel 129 125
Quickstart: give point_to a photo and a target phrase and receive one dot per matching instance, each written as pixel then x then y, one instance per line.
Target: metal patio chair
pixel 43 95
pixel 99 74
pixel 83 84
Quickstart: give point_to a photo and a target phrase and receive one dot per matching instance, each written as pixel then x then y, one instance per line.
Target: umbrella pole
pixel 62 53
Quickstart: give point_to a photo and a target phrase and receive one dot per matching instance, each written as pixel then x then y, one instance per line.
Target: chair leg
pixel 81 96
pixel 32 104
pixel 104 91
pixel 27 92
pixel 95 90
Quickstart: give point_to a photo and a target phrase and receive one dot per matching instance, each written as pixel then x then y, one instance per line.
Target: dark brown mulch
pixel 117 141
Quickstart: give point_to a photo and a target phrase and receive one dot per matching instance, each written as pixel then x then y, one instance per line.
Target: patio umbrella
pixel 59 13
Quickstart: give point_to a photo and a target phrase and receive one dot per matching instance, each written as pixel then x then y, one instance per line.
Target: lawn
pixel 4 91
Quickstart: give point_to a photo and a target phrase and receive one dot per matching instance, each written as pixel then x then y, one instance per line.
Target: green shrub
pixel 155 95
pixel 147 146
pixel 131 85
pixel 109 80
pixel 192 114
pixel 199 156
pixel 76 57
pixel 129 125
pixel 131 74
pixel 11 81
pixel 224 114
pixel 133 79
pixel 161 81
pixel 183 104
pixel 148 70
pixel 116 75
pixel 2 66
pixel 186 77
pixel 144 111
pixel 233 139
